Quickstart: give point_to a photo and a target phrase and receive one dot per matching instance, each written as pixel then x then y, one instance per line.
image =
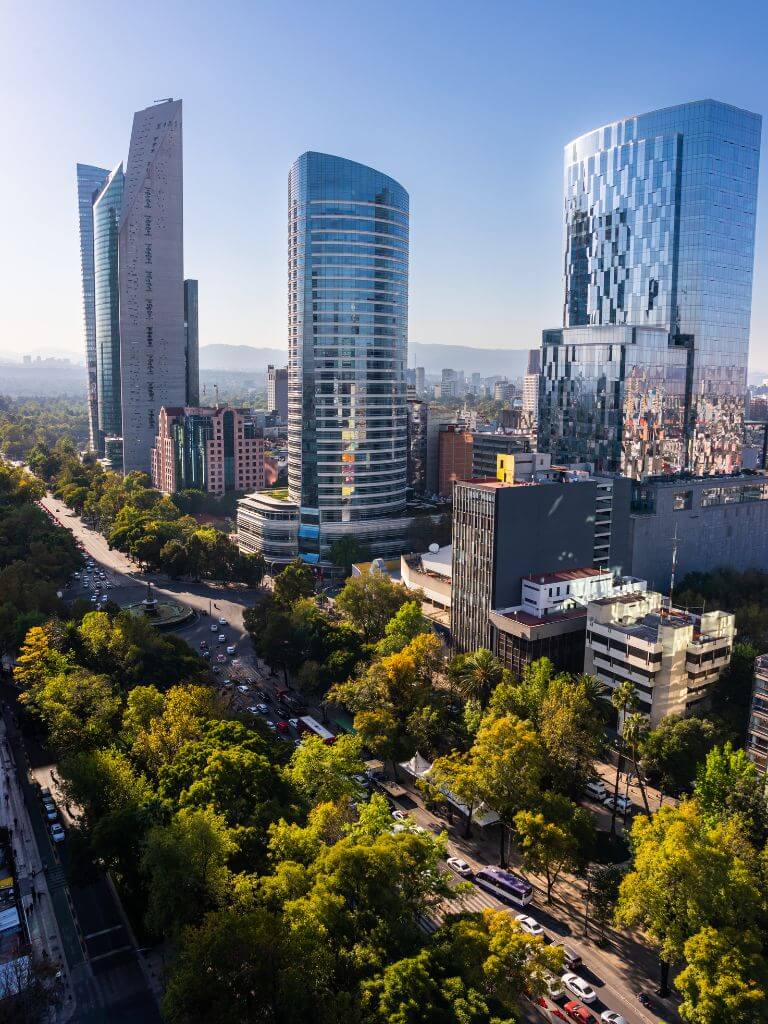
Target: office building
pixel 207 449
pixel 757 730
pixel 455 457
pixel 550 620
pixel 671 656
pixel 424 425
pixel 191 343
pixel 700 523
pixel 531 387
pixel 90 181
pixel 531 520
pixel 107 210
pixel 648 373
pixel 277 391
pixel 267 521
pixel 347 346
pixel 487 447
pixel 421 382
pixel 152 343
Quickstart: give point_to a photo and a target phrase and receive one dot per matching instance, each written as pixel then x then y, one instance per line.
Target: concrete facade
pixel 152 337
pixel 192 341
pixel 719 522
pixel 277 391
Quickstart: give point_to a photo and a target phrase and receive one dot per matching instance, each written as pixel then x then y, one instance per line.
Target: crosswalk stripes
pixel 57 877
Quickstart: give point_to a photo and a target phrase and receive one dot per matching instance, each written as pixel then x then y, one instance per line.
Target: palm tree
pixel 478 674
pixel 624 699
pixel 597 692
pixel 635 727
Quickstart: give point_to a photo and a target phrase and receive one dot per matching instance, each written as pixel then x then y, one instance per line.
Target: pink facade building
pixel 208 449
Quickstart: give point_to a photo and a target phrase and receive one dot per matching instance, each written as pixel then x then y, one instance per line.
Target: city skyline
pixel 236 248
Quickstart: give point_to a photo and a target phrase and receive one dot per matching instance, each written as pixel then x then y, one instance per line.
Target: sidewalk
pixel 40 878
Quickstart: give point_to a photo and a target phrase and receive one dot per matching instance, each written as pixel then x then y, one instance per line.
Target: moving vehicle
pixel 223 622
pixel 231 649
pixel 611 1017
pixel 579 987
pixel 529 924
pixel 57 833
pixel 579 1013
pixel 222 638
pixel 505 885
pixel 459 866
pixel 203 644
pixel 307 724
pixel 214 628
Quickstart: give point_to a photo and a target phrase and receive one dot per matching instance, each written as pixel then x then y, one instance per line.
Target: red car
pixel 576 1011
pixel 283 727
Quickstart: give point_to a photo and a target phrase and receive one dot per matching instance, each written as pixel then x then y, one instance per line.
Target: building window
pixel 682 501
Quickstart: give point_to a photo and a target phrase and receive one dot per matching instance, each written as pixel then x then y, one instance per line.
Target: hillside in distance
pixel 433 358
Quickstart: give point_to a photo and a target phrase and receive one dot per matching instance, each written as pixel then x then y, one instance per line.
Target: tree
pixel 326 773
pixel 634 729
pixel 456 774
pixel 186 866
pixel 478 676
pixel 604 881
pixel 228 970
pixel 348 549
pixel 405 625
pixel 369 601
pixel 295 581
pixel 558 838
pixel 571 731
pixel 78 708
pixel 725 980
pixel 624 700
pixel 686 875
pixel 729 785
pixel 510 766
pixel 671 752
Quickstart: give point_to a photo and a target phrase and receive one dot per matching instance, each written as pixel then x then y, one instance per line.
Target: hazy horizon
pixel 469 111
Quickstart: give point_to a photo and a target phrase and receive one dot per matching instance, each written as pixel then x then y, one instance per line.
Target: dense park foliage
pixel 26 422
pixel 154 529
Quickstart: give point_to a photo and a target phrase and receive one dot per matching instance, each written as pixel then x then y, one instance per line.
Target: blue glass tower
pixel 89 181
pixel 649 372
pixel 347 350
pixel 107 207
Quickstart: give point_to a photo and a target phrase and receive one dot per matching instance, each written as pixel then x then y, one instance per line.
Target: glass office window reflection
pixel 106 223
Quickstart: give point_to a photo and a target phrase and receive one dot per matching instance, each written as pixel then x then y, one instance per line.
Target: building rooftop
pixel 518 615
pixel 566 575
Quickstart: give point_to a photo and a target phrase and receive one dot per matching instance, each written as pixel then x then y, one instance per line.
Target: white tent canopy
pixel 419 767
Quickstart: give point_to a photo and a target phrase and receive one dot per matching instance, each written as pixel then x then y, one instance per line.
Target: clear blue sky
pixel 467 104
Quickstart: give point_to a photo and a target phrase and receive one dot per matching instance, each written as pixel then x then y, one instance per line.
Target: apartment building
pixel 672 657
pixel 757 730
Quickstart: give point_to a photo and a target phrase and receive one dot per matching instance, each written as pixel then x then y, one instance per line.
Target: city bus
pixel 309 725
pixel 504 885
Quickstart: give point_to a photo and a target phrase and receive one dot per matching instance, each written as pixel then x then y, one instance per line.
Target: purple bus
pixel 504 885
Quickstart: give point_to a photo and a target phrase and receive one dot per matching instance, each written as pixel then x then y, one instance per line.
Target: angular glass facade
pixel 107 208
pixel 347 339
pixel 90 181
pixel 659 233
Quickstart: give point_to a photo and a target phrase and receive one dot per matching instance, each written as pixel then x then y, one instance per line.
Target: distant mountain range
pixel 433 358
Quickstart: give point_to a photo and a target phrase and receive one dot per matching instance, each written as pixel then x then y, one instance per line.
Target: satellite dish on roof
pixel 434 548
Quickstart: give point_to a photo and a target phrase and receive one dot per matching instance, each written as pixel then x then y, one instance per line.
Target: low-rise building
pixel 671 656
pixel 430 573
pixel 757 730
pixel 551 619
pixel 455 457
pixel 215 449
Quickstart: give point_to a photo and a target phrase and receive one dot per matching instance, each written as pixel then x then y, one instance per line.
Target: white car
pixel 294 723
pixel 596 789
pixel 622 804
pixel 214 628
pixel 243 688
pixel 221 638
pixel 459 866
pixel 263 709
pixel 231 649
pixel 580 988
pixel 611 1017
pixel 223 622
pixel 529 924
pixel 399 815
pixel 271 726
pixel 57 833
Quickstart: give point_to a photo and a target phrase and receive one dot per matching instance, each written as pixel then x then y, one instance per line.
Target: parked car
pixel 596 789
pixel 294 723
pixel 50 813
pixel 57 833
pixel 579 987
pixel 554 986
pixel 203 644
pixel 399 815
pixel 282 727
pixel 252 710
pixel 579 1013
pixel 529 924
pixel 205 654
pixel 611 1017
pixel 263 709
pixel 571 959
pixel 242 688
pixel 622 804
pixel 459 866
pixel 271 726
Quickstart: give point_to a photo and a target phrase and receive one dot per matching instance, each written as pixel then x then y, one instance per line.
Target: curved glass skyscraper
pixel 107 208
pixel 649 373
pixel 347 350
